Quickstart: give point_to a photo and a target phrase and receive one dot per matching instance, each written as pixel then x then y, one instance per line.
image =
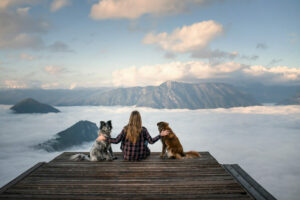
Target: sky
pixel 263 140
pixel 70 44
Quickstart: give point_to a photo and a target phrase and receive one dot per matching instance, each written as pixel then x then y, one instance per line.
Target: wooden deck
pixel 153 178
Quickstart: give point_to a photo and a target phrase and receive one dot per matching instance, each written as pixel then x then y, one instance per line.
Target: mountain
pixel 173 95
pixel 269 93
pixel 294 100
pixel 169 95
pixel 82 131
pixel 32 106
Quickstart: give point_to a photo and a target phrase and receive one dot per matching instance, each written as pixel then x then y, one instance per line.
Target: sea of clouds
pixel 263 140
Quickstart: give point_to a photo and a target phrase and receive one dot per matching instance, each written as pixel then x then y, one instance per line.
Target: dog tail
pixel 192 154
pixel 79 157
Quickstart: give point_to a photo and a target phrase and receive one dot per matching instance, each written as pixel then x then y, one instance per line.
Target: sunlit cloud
pixel 25 56
pixel 133 9
pixel 199 70
pixel 73 86
pixel 278 73
pixel 54 70
pixel 14 84
pixel 50 85
pixel 157 74
pixel 187 38
pixel 59 4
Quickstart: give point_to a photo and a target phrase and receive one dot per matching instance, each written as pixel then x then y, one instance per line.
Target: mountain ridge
pixel 173 95
pixel 294 100
pixel 170 95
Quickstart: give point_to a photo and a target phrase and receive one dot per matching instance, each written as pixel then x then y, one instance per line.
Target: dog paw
pixel 162 156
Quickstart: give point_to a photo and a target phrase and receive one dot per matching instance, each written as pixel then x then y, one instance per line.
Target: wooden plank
pixel 20 177
pixel 253 188
pixel 153 178
pixel 116 196
pixel 64 157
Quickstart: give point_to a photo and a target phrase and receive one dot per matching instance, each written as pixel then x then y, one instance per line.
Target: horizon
pixel 65 44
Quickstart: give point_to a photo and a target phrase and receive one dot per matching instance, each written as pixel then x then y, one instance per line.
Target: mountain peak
pixel 169 83
pixel 30 105
pixel 77 134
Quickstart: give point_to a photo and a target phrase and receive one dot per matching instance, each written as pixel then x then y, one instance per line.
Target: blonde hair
pixel 134 127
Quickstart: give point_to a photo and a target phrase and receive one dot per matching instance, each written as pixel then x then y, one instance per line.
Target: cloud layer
pixel 271 133
pixel 198 70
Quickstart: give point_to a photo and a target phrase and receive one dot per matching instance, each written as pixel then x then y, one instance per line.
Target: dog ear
pixel 109 124
pixel 102 123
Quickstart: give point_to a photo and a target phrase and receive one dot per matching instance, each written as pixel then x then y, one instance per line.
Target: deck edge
pixel 253 188
pixel 20 177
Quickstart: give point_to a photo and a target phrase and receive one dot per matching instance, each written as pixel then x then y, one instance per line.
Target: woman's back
pixel 138 150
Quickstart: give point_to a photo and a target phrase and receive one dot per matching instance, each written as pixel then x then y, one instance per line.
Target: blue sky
pixel 71 44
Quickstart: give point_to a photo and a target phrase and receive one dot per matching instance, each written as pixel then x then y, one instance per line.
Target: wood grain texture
pixel 153 178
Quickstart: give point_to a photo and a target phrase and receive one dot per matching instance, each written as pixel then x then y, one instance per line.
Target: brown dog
pixel 172 144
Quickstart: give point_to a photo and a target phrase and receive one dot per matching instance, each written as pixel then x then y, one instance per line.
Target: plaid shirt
pixel 136 151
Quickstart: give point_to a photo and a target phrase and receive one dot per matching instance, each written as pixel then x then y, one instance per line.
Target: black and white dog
pixel 100 150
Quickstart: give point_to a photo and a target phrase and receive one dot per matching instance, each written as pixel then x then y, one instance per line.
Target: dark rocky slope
pixel 32 106
pixel 82 131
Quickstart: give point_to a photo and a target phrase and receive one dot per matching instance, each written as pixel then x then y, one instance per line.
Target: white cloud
pixel 25 56
pixel 54 70
pixel 20 83
pixel 157 74
pixel 133 9
pixel 50 85
pixel 198 70
pixel 15 84
pixel 23 11
pixel 279 73
pixel 187 38
pixel 59 4
pixel 73 86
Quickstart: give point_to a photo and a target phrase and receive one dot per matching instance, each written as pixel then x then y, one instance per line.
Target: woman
pixel 134 138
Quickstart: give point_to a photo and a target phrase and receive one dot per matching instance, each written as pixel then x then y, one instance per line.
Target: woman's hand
pixel 164 132
pixel 101 138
